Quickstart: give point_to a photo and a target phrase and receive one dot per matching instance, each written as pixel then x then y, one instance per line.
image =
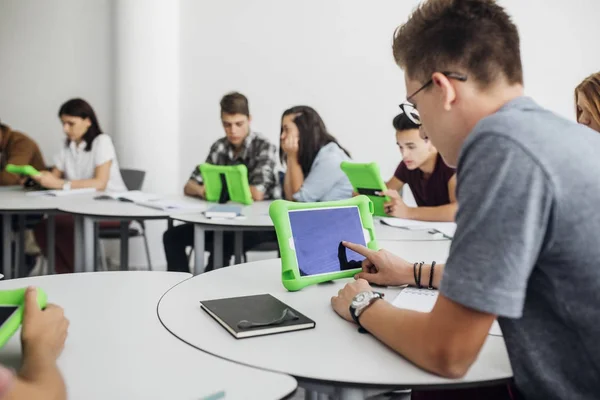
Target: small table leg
pixel 218 250
pixel 124 245
pixel 198 250
pixel 238 246
pixel 78 243
pixel 6 246
pixel 88 244
pixel 350 394
pixel 50 237
pixel 21 268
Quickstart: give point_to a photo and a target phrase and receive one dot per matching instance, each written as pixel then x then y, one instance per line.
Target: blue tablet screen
pixel 317 234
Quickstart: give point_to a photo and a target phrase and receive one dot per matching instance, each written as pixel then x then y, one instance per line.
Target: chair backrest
pixel 133 178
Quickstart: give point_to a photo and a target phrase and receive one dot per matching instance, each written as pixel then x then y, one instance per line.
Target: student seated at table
pixel 312 157
pixel 587 102
pixel 87 160
pixel 526 246
pixel 19 149
pixel 240 145
pixel 423 169
pixel 43 336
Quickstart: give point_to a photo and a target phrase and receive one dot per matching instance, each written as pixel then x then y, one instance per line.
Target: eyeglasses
pixel 447 74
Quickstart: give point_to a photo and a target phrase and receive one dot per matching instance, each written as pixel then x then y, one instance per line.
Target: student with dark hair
pixel 87 160
pixel 240 145
pixel 525 250
pixel 587 102
pixel 18 149
pixel 431 181
pixel 312 157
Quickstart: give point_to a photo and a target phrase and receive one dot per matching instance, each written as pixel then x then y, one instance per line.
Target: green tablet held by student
pixel 12 303
pixel 310 237
pixel 366 179
pixel 226 182
pixel 24 170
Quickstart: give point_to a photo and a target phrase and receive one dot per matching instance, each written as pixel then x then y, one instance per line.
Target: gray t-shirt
pixel 527 249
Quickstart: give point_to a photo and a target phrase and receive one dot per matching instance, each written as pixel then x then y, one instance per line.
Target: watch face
pixel 361 299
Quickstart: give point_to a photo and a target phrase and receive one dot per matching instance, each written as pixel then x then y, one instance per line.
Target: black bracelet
pixel 431 275
pixel 419 277
pixel 415 273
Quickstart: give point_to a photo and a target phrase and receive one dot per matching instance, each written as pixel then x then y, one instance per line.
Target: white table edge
pixel 342 384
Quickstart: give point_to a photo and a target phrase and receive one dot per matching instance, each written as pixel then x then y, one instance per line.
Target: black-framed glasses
pixel 447 74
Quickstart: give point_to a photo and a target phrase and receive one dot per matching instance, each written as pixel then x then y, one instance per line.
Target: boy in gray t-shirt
pixel 525 249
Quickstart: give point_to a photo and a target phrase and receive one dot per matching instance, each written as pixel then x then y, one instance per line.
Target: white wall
pixel 559 48
pixel 336 56
pixel 51 51
pixel 146 112
pixel 332 55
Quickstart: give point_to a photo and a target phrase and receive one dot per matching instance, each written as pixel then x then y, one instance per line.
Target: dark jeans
pixel 30 221
pixel 178 238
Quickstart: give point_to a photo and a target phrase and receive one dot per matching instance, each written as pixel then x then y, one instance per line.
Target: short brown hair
pixel 476 37
pixel 235 103
pixel 590 87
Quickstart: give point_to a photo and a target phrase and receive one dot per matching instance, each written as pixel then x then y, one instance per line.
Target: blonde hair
pixel 590 87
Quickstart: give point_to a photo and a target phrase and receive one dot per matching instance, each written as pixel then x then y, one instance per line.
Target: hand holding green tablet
pixel 366 179
pixel 12 305
pixel 24 170
pixel 226 182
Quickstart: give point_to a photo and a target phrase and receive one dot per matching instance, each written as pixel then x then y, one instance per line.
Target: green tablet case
pixel 290 272
pixel 233 177
pixel 25 170
pixel 16 297
pixel 366 180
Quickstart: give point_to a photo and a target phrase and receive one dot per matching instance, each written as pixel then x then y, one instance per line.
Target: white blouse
pixel 75 163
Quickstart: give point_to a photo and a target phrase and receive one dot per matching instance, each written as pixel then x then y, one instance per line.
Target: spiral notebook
pixel 423 300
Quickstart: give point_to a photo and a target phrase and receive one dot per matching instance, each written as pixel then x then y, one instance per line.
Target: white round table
pixel 417 251
pixel 87 210
pixel 118 349
pixel 256 218
pixel 15 201
pixel 333 354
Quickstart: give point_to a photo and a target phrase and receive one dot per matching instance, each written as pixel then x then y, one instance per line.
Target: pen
pixel 215 396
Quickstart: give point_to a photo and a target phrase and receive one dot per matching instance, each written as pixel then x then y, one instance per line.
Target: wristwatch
pixel 361 302
pixel 67 185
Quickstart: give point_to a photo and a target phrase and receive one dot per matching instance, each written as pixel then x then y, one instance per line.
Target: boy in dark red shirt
pixel 431 181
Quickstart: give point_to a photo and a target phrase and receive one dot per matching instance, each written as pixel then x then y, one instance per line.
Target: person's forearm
pixel 95 183
pixel 8 179
pixel 39 378
pixel 415 336
pixel 438 271
pixel 193 189
pixel 445 213
pixel 257 195
pixel 294 178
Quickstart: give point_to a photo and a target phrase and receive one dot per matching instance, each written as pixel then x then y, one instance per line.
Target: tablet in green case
pixel 366 179
pixel 226 182
pixel 25 170
pixel 12 303
pixel 310 235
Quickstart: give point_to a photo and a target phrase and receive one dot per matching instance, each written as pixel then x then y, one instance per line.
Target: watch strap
pixel 356 318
